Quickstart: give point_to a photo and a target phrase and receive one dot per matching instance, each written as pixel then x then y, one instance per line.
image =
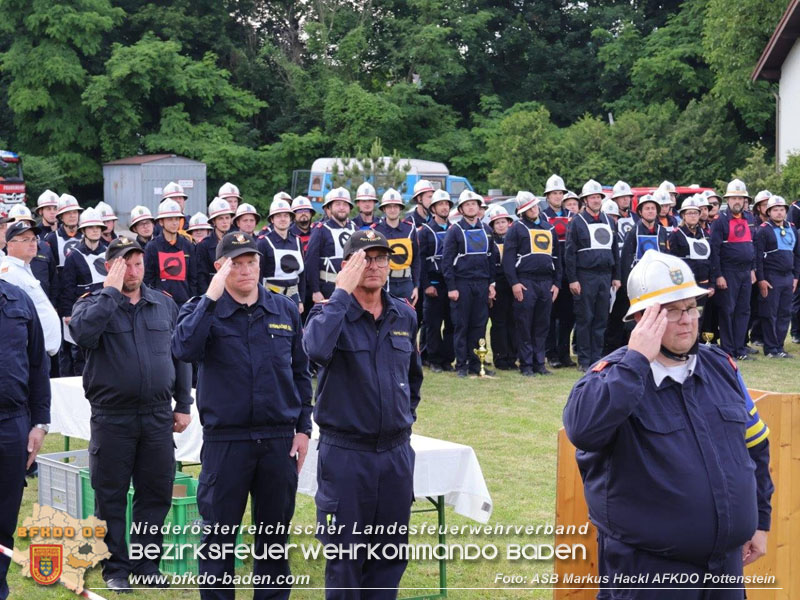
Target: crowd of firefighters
pixel 551 278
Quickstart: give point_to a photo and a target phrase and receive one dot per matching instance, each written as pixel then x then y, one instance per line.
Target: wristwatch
pixel 44 427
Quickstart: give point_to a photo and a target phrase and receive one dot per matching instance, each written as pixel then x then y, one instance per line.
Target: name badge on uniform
pixel 699 249
pixel 645 243
pixel 739 232
pixel 600 237
pixel 785 238
pixel 541 241
pixel 475 241
pixel 172 266
pixel 402 254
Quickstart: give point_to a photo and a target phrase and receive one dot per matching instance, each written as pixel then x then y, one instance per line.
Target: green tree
pixel 758 172
pixel 382 171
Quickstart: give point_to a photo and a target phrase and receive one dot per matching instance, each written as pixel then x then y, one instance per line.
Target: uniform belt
pixel 289 290
pixel 369 444
pixel 327 276
pixel 404 274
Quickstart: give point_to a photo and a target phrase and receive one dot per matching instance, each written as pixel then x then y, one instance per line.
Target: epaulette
pixel 166 293
pixel 84 295
pixel 600 366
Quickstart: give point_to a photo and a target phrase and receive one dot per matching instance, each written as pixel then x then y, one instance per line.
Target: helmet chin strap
pixel 680 357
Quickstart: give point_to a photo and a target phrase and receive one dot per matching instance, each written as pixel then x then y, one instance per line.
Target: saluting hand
pixel 350 275
pixel 116 274
pixel 217 285
pixel 646 336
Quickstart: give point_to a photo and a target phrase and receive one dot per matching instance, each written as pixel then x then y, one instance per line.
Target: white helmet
pixel 391 196
pixel 660 278
pixel 644 200
pixel 668 187
pixel 525 200
pixel 496 211
pixel 736 188
pixel 218 207
pixel 228 190
pixel 711 194
pixel 198 221
pixel 169 208
pixel 441 196
pixel 468 195
pixel 339 193
pixel 692 202
pixel 20 212
pixel 366 192
pixel 554 184
pixel 282 196
pixel 702 200
pixel 173 190
pixel 138 214
pixel 279 206
pixel 47 198
pixel 106 212
pixel 67 203
pixel 302 203
pixel 247 209
pixel 590 188
pixel 91 218
pixel 662 197
pixel 761 196
pixel 621 189
pixel 610 207
pixel 776 201
pixel 422 186
pixel 571 194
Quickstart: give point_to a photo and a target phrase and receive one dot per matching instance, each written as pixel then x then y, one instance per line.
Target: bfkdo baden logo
pixel 46 562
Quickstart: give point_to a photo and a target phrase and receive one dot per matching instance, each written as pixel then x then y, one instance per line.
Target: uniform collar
pixel 464 225
pixel 17 262
pixel 660 372
pixel 355 310
pixel 226 305
pixel 149 295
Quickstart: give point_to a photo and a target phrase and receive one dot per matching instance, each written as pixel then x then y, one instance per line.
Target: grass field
pixel 511 422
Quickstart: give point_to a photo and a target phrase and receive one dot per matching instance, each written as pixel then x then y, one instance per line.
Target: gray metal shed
pixel 140 179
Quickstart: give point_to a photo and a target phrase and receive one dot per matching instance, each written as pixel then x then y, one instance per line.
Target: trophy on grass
pixel 481 351
pixel 707 336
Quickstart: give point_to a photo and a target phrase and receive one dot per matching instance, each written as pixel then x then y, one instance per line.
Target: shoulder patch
pixel 167 294
pixel 84 295
pixel 600 366
pixel 732 362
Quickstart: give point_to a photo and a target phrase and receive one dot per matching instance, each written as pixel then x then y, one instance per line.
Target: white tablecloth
pixel 442 468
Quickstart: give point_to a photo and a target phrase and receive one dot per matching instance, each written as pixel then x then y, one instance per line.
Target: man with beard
pixel 303 213
pixel 325 246
pixel 733 257
pixel 129 380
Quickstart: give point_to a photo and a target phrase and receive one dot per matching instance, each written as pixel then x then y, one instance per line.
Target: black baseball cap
pixel 235 244
pixel 20 227
pixel 121 247
pixel 365 239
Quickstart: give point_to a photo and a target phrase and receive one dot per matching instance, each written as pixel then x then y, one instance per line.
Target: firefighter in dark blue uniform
pixel 647 234
pixel 468 264
pixel 170 262
pixel 24 406
pixel 503 333
pixel 562 315
pixel 324 254
pixel 690 243
pixel 421 197
pixel 282 255
pixel 366 198
pixel 141 223
pixel 46 209
pixel 733 257
pixel 777 270
pixel 592 266
pixel 369 388
pixel 129 380
pixel 437 323
pixel 666 218
pixel 793 217
pixel 533 270
pixel 254 398
pixel 673 455
pixel 404 265
pixel 85 267
pixel 220 215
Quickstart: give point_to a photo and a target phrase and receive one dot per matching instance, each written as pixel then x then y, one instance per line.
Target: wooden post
pixel 781 413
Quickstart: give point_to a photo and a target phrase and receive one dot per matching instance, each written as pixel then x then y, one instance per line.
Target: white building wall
pixel 789 125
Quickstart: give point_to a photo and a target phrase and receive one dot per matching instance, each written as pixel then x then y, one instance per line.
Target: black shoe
pixel 758 343
pixel 119 585
pixel 783 354
pixel 542 370
pixel 426 363
pixel 527 373
pixel 743 357
pixel 461 373
pixel 436 369
pixel 568 362
pixel 750 350
pixel 448 368
pixel 772 355
pixel 154 580
pixel 795 339
pixel 503 366
pixel 556 364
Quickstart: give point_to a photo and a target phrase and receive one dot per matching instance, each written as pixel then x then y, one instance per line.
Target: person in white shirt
pixel 21 247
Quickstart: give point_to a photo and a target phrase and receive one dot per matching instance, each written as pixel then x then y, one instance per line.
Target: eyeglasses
pixel 714 203
pixel 23 240
pixel 675 314
pixel 382 260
